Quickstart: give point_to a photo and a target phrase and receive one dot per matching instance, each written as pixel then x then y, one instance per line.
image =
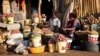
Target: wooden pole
pixel 39 10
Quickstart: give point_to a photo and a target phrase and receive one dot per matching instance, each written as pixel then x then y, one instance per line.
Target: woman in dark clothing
pixel 72 25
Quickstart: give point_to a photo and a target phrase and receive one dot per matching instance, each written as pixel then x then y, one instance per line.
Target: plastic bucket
pixel 37 49
pixel 93 38
pixel 69 41
pixel 36 41
pixel 61 47
pixel 92 46
pixel 51 47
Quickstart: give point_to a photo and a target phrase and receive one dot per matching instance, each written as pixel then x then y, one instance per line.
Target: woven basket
pixel 37 49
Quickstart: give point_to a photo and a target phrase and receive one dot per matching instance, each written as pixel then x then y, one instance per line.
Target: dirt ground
pixel 68 53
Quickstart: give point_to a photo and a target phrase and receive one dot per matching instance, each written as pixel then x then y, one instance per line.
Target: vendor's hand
pixel 64 29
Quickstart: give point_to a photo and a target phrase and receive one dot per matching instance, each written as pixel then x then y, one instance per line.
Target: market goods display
pixel 69 41
pixel 61 37
pixel 92 46
pixel 52 45
pixel 90 20
pixel 36 40
pixel 37 31
pixel 82 8
pixel 93 36
pixel 28 22
pixel 61 43
pixel 37 49
pixel 26 31
pixel 10 20
pixel 13 26
pixel 49 33
pixel 61 47
pixel 36 37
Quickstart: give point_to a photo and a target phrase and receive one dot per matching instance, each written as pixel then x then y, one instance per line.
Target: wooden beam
pixel 39 10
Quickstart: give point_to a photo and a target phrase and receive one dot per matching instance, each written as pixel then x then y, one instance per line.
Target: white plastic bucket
pixel 93 38
pixel 36 41
pixel 61 47
pixel 69 41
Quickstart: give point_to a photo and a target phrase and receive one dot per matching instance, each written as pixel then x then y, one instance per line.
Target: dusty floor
pixel 68 53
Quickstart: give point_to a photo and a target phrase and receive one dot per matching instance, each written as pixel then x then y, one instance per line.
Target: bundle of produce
pixel 37 31
pixel 61 37
pixel 91 19
pixel 46 31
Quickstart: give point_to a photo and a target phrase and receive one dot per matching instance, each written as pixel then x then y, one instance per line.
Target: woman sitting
pixel 72 25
